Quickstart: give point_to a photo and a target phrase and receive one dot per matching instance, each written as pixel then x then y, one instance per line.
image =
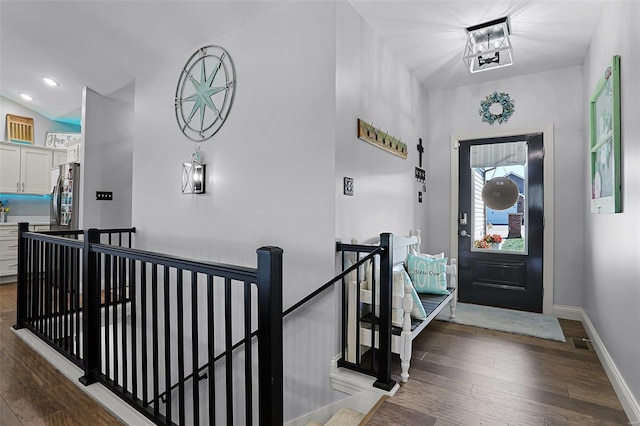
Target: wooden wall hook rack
pixel 377 137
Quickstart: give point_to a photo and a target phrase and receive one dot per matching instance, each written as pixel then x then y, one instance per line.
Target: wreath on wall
pixel 504 101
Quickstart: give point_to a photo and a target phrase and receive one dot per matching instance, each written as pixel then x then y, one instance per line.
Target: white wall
pixel 612 258
pixel 373 85
pixel 271 174
pixel 41 124
pixel 306 72
pixel 107 158
pixel 553 97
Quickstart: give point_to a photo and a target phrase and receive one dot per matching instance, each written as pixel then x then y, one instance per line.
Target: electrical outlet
pixel 348 186
pixel 104 195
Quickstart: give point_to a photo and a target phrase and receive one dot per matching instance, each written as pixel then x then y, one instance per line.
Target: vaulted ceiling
pixel 106 44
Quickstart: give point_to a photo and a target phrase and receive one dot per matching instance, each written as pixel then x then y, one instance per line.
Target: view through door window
pixel 503 227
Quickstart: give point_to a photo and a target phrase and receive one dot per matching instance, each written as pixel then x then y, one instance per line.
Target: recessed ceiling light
pixel 26 97
pixel 50 82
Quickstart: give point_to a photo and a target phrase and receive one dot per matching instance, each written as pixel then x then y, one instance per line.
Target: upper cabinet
pixel 60 157
pixel 10 168
pixel 25 169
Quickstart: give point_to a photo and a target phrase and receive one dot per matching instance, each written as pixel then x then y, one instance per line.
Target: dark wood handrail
pixel 239 273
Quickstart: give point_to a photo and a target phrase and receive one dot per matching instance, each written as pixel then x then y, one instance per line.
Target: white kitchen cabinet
pixel 8 250
pixel 10 167
pixel 74 154
pixel 9 247
pixel 25 169
pixel 35 169
pixel 59 157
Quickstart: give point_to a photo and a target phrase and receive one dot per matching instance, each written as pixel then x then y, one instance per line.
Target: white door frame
pixel 547 256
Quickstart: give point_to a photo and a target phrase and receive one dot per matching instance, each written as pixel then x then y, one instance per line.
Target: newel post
pixel 91 288
pixel 384 321
pixel 21 308
pixel 270 347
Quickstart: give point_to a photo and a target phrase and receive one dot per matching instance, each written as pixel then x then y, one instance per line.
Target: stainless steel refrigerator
pixel 65 197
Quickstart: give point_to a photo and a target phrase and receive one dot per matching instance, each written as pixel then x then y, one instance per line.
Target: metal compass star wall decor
pixel 205 92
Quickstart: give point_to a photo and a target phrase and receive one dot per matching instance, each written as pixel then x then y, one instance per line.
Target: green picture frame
pixel 604 121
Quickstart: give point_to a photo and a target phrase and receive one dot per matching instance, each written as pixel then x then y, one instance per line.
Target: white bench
pixel 401 337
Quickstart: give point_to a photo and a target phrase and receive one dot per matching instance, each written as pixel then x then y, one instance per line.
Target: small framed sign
pixel 58 140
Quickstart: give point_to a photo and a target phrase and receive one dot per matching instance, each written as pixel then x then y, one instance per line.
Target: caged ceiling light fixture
pixel 488 46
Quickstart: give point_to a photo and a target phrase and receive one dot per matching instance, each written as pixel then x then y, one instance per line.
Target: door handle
pixel 57 200
pixel 464 233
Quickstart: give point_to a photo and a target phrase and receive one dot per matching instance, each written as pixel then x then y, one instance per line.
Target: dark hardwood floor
pixel 459 375
pixel 463 375
pixel 32 392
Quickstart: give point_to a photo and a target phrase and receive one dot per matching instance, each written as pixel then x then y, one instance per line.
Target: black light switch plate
pixel 104 195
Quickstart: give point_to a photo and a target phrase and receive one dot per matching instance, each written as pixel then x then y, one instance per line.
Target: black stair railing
pixel 143 322
pixel 49 300
pixel 380 364
pixel 113 305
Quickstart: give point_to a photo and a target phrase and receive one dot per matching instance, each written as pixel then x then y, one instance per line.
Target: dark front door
pixel 500 244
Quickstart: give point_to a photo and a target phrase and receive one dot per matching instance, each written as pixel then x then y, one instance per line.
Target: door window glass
pixel 499 198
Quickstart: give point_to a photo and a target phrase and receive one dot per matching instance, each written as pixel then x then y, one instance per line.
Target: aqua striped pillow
pixel 427 274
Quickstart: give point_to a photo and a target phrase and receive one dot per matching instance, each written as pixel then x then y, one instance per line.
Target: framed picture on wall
pixel 60 140
pixel 604 121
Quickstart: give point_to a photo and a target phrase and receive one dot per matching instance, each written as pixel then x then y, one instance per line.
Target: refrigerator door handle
pixel 56 201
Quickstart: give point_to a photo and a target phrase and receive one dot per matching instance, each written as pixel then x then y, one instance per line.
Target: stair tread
pixel 345 417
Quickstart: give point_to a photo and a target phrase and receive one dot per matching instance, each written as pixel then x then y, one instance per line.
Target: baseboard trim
pixel 8 279
pixel 568 312
pixel 629 403
pixel 350 382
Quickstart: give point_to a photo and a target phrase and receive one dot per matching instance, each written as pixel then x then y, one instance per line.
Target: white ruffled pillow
pixel 397 290
pixel 413 252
